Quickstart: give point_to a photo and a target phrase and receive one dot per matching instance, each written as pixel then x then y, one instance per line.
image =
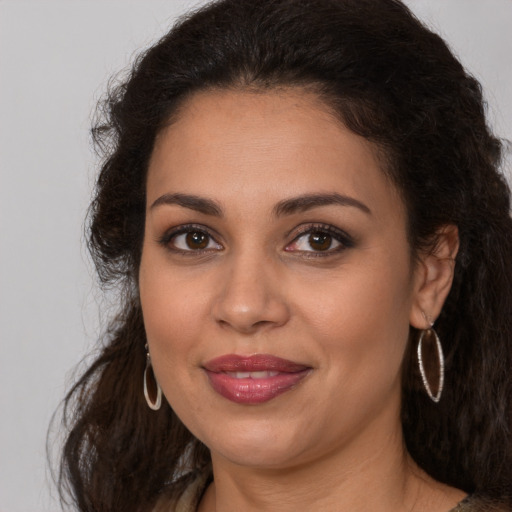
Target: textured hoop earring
pixel 153 403
pixel 431 332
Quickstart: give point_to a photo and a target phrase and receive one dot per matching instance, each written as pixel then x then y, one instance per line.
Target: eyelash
pixel 340 236
pixel 181 230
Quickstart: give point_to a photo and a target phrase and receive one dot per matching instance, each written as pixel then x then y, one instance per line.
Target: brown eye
pixel 191 240
pixel 197 240
pixel 320 241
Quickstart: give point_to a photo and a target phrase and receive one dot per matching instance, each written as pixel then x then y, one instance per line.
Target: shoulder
pixel 481 504
pixel 188 500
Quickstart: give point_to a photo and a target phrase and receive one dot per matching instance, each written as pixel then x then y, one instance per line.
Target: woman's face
pixel 276 279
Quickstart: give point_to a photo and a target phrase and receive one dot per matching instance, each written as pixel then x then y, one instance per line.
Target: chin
pixel 255 446
pixel 256 457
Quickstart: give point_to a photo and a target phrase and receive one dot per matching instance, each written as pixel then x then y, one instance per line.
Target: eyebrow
pixel 309 201
pixel 285 207
pixel 199 204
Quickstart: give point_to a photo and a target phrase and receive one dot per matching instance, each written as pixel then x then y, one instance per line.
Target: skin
pixel 261 287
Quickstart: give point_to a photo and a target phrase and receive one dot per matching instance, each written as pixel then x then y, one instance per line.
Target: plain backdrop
pixel 55 60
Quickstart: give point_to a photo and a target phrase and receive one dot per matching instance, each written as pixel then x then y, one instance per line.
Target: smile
pixel 252 375
pixel 254 379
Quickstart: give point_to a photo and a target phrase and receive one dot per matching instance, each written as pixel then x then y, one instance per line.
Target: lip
pixel 284 376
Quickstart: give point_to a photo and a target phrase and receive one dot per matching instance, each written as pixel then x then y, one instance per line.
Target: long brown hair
pixel 390 80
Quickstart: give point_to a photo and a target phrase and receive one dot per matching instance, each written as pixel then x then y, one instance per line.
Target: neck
pixel 371 472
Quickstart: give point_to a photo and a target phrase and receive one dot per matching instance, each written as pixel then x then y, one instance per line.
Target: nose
pixel 250 298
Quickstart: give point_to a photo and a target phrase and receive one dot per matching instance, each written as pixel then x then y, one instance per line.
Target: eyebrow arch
pixel 308 201
pixel 199 204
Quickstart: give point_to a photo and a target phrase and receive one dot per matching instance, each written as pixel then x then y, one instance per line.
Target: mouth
pixel 253 379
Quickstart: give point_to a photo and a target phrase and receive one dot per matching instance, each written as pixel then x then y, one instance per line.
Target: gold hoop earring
pixel 151 387
pixel 433 339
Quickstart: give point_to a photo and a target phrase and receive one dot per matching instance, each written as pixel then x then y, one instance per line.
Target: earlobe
pixel 434 276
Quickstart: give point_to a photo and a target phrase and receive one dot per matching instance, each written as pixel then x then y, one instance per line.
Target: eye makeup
pixel 309 240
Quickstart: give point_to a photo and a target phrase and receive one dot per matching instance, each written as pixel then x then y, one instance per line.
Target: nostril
pixel 247 327
pixel 247 304
pixel 262 323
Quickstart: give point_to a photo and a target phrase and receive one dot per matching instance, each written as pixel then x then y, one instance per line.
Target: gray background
pixel 55 59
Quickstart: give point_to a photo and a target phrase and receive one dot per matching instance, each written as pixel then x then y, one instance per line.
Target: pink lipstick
pixel 253 379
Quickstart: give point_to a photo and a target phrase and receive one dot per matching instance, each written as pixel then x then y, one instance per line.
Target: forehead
pixel 268 144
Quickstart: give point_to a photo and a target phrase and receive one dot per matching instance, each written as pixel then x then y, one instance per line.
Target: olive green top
pixel 191 497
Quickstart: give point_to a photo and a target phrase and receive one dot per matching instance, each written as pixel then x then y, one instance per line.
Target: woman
pixel 300 201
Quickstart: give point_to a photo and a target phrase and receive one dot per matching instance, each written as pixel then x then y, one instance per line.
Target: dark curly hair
pixel 390 80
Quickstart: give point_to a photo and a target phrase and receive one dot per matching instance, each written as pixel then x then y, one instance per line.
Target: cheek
pixel 172 331
pixel 360 319
pixel 172 307
pixel 172 318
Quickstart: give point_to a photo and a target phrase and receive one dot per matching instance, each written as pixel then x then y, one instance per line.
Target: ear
pixel 433 277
